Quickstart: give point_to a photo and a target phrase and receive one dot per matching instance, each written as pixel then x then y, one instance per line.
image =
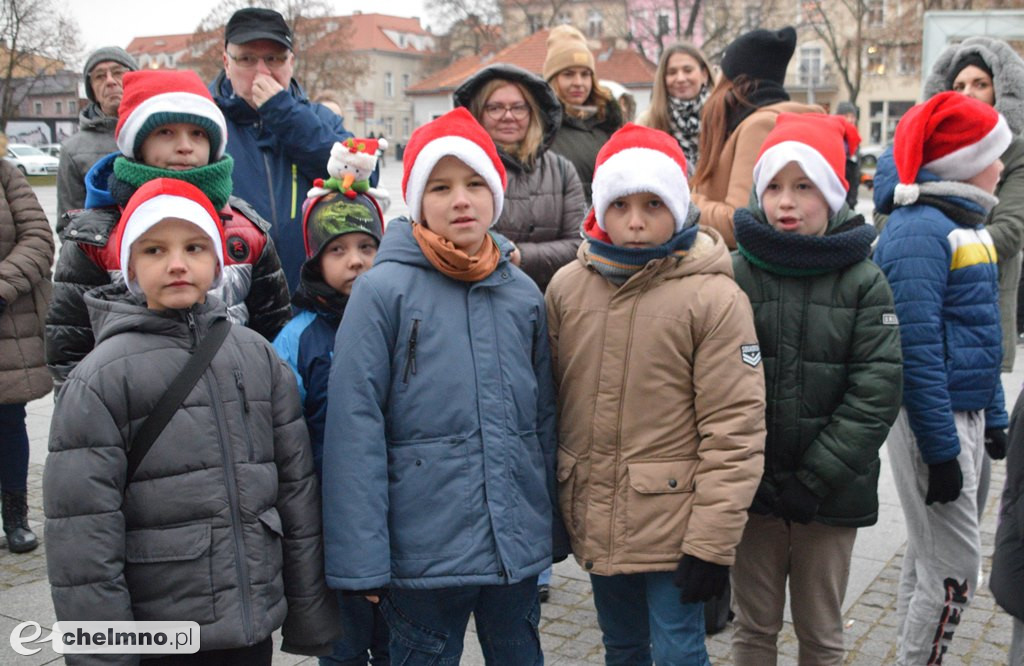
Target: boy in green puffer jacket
pixel 830 341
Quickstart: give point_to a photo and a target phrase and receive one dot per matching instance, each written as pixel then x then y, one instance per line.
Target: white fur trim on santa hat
pixel 158 209
pixel 635 170
pixel 811 162
pixel 967 162
pixel 469 152
pixel 178 102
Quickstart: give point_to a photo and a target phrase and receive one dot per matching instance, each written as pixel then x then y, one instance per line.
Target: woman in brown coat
pixel 26 254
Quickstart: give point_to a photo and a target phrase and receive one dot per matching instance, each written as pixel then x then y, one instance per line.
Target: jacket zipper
pixel 295 187
pixel 410 360
pixel 193 328
pixel 227 460
pixel 245 414
pixel 270 190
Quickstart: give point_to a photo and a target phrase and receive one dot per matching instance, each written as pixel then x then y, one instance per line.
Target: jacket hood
pixel 708 254
pixel 612 119
pixel 1007 75
pixel 92 119
pixel 400 246
pixel 948 195
pixel 113 310
pixel 236 108
pixel 97 182
pixel 543 95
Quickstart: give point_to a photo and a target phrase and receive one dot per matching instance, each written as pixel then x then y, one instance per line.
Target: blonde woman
pixel 681 86
pixel 544 203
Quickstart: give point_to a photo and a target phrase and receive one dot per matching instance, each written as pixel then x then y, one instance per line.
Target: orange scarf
pixel 452 261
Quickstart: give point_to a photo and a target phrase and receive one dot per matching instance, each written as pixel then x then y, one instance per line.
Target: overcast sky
pixel 116 22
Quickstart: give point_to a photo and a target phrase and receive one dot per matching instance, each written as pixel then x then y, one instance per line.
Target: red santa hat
pixel 954 136
pixel 158 97
pixel 158 200
pixel 640 159
pixel 818 143
pixel 456 133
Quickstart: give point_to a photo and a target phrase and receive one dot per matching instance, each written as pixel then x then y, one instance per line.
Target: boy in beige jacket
pixel 661 403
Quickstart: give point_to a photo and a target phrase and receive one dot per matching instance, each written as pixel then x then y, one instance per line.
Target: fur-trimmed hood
pixel 1007 75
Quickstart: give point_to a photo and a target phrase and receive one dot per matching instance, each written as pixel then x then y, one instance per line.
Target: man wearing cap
pixel 95 138
pixel 279 139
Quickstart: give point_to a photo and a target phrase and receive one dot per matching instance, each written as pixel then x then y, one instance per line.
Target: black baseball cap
pixel 252 23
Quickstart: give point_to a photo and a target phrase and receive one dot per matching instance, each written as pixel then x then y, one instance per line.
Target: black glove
pixel 995 443
pixel 796 502
pixel 944 482
pixel 698 580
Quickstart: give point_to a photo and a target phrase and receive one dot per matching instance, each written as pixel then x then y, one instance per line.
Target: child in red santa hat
pixel 825 319
pixel 439 451
pixel 937 185
pixel 661 403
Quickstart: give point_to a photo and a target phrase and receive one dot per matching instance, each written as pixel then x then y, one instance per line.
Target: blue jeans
pixel 428 626
pixel 13 448
pixel 365 639
pixel 638 612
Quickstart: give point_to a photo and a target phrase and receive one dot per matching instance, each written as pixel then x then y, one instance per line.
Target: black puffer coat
pixel 1007 580
pixel 221 523
pixel 544 205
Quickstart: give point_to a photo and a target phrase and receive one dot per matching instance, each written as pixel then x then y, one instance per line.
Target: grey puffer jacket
pixel 221 524
pixel 1005 221
pixel 26 253
pixel 544 203
pixel 78 152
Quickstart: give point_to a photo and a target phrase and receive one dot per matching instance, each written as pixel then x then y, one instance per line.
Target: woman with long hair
pixel 590 114
pixel 544 203
pixel 681 87
pixel 738 115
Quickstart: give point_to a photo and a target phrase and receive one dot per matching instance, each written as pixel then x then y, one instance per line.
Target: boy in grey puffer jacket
pixel 220 524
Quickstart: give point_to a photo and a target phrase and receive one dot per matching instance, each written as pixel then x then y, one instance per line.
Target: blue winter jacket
pixel 941 265
pixel 278 151
pixel 439 454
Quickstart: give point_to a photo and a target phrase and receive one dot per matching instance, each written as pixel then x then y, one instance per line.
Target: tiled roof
pixel 159 44
pixel 623 65
pixel 366 32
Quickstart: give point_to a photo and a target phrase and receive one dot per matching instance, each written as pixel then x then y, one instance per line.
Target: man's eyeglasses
pixel 100 75
pixel 498 111
pixel 250 60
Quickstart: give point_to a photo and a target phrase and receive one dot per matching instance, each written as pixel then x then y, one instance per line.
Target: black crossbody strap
pixel 175 394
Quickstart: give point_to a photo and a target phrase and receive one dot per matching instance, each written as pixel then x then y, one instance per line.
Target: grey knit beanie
pixel 106 54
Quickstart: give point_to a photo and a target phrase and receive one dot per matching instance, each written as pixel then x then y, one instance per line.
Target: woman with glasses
pixel 544 203
pixel 590 114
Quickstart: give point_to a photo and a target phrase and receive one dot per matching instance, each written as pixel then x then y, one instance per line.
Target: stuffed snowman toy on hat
pixel 349 167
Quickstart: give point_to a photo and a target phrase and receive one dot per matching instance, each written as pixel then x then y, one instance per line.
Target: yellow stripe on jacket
pixel 971 247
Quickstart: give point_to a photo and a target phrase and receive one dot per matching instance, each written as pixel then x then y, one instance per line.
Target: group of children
pixel 667 413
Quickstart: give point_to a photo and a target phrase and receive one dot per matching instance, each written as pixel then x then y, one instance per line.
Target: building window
pixel 389 84
pixel 595 24
pixel 909 61
pixel 39 108
pixel 884 116
pixel 875 11
pixel 876 61
pixel 663 19
pixel 405 82
pixel 59 106
pixel 72 106
pixel 405 127
pixel 389 126
pixel 810 66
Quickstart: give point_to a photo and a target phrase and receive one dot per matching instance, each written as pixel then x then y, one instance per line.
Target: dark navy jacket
pixel 278 151
pixel 941 264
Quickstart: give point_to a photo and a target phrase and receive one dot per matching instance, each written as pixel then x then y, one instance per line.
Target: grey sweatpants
pixel 940 568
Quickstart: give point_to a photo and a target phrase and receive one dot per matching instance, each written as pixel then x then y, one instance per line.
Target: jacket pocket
pixel 572 481
pixel 169 573
pixel 271 539
pixel 409 341
pixel 431 507
pixel 658 503
pixel 243 402
pixel 532 494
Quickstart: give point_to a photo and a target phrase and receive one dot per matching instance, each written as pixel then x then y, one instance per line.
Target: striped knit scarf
pixel 617 264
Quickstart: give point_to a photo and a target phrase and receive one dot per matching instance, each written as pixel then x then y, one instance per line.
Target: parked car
pixel 30 160
pixel 51 149
pixel 868 162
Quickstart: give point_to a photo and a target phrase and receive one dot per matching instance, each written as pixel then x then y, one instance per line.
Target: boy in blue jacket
pixel 341 238
pixel 936 184
pixel 439 453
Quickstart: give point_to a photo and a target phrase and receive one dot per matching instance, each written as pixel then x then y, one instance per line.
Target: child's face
pixel 640 220
pixel 345 258
pixel 174 263
pixel 176 146
pixel 989 178
pixel 794 204
pixel 458 205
